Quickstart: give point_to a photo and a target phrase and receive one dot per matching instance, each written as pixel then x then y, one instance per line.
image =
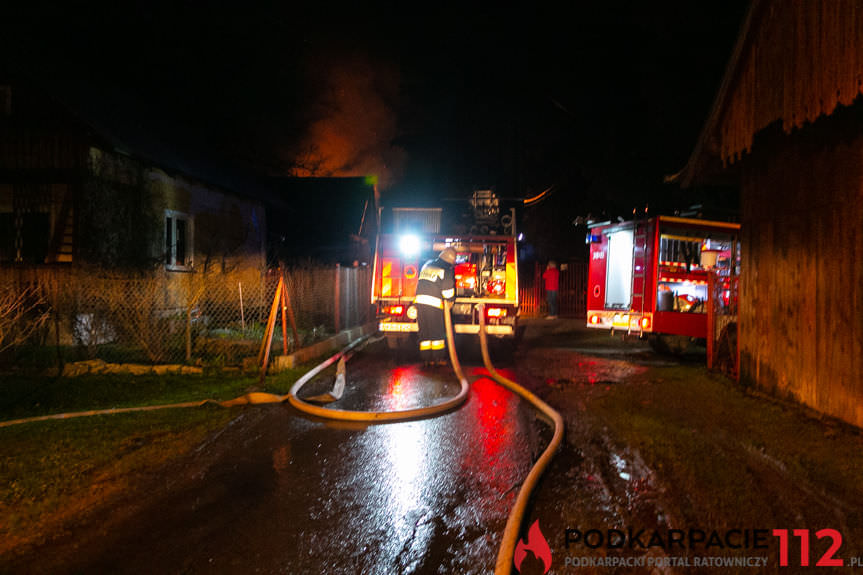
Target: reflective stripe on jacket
pixel 431 300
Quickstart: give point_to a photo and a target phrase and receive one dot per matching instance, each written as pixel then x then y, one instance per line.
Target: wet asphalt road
pixel 281 492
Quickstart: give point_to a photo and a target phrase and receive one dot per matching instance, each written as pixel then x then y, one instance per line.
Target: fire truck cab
pixel 486 270
pixel 649 277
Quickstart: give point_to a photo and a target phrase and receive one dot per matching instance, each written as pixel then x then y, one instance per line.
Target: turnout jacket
pixel 436 283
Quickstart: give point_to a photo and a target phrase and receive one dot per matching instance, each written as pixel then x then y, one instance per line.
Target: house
pixel 75 194
pixel 787 128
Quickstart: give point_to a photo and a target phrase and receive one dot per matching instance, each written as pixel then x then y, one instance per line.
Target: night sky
pixel 599 100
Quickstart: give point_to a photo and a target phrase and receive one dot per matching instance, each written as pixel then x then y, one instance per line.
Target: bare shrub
pixel 23 312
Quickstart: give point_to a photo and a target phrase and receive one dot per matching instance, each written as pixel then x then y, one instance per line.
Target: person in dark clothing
pixel 436 285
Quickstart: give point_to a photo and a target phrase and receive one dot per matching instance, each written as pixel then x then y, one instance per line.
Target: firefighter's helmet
pixel 448 255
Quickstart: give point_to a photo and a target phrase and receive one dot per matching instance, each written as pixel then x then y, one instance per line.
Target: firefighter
pixel 435 287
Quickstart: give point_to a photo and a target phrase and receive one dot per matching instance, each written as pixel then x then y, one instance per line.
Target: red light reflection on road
pixel 495 413
pixel 399 385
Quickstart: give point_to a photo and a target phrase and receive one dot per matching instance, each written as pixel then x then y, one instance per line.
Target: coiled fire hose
pixel 398 415
pixel 506 551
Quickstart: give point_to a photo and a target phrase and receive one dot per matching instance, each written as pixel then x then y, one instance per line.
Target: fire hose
pixel 509 540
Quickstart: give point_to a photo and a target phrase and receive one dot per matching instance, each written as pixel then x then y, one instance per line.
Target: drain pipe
pixel 513 524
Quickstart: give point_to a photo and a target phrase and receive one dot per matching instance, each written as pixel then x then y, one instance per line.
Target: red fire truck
pixel 486 269
pixel 649 276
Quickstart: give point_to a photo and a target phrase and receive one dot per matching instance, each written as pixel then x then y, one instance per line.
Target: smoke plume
pixel 354 122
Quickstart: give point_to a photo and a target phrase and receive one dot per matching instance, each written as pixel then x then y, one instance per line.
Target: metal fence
pixel 53 315
pixel 572 291
pixel 723 353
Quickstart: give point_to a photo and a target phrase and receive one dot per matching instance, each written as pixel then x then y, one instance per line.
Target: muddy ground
pixel 655 444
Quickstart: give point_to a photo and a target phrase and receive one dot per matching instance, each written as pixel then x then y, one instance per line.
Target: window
pixel 35 237
pixel 178 240
pixel 8 234
pixel 679 250
pixel 25 223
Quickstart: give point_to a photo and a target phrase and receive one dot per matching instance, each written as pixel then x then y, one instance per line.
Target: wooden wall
pixel 799 61
pixel 801 304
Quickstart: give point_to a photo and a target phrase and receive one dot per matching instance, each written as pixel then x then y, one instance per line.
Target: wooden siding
pixel 800 59
pixel 801 305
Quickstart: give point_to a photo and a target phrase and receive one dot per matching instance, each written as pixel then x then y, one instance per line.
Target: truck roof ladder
pixel 639 265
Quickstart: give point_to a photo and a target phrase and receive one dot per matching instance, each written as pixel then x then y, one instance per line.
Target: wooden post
pixel 337 299
pixel 286 298
pixel 242 315
pixel 283 297
pixel 264 353
pixel 55 311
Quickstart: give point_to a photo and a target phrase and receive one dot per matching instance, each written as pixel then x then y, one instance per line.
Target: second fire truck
pixel 649 277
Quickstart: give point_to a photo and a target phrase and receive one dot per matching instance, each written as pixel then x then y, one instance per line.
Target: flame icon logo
pixel 537 544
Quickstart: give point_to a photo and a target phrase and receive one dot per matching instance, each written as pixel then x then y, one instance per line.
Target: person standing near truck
pixel 435 287
pixel 551 275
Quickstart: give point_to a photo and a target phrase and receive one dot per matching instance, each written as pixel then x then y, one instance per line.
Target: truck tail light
pixel 645 323
pixel 594 320
pixel 412 312
pixel 465 276
pixel 465 282
pixel 496 287
pixel 495 312
pixel 394 309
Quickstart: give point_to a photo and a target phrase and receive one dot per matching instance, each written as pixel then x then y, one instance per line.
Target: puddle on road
pixel 399 388
pixel 424 494
pixel 567 368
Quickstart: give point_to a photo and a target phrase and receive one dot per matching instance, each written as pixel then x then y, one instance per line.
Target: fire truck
pixel 486 269
pixel 649 277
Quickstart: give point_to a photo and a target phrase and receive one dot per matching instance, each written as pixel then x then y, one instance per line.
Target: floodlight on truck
pixel 409 245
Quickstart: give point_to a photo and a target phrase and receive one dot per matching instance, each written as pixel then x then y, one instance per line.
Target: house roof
pixel 793 62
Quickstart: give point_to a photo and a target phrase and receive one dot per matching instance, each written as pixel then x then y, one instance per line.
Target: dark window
pixel 7 237
pixel 181 243
pixel 35 237
pixel 5 101
pixel 169 241
pixel 178 240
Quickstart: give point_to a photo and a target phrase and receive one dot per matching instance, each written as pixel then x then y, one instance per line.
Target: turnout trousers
pixel 432 333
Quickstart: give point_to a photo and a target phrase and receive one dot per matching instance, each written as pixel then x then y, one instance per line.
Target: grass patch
pixel 54 470
pixel 30 396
